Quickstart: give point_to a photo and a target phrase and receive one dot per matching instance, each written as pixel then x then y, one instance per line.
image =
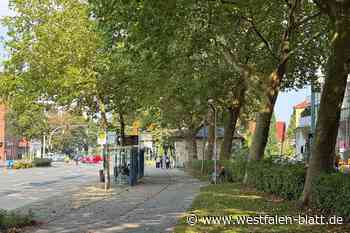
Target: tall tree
pixel 56 56
pixel 296 36
pixel 323 147
pixel 290 140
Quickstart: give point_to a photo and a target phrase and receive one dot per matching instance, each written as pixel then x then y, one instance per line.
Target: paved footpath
pixel 154 205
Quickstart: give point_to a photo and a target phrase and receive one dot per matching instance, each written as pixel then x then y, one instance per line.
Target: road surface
pixel 22 187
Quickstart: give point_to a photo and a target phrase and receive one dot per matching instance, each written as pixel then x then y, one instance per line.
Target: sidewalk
pixel 154 205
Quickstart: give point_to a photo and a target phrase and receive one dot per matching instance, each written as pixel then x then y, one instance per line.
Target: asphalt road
pixel 19 188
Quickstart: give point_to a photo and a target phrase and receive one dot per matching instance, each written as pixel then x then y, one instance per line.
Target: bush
pixel 234 169
pixel 10 220
pixel 22 164
pixel 331 194
pixel 38 162
pixel 285 180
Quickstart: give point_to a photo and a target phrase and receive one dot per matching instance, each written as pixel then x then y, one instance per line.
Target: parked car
pixel 56 157
pixel 92 159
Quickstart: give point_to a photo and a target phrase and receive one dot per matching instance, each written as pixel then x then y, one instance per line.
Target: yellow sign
pixel 135 127
pixel 102 138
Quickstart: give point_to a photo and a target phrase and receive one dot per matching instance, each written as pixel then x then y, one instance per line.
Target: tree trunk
pixel 106 166
pixel 323 146
pixel 263 120
pixel 262 129
pixel 230 127
pixel 191 146
pixel 122 129
pixel 211 136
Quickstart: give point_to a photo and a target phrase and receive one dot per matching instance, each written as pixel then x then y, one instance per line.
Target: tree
pixel 69 131
pixel 55 57
pixel 290 142
pixel 296 36
pixel 272 142
pixel 323 147
pixel 26 119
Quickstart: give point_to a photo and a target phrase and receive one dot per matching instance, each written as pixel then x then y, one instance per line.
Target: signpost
pixel 102 138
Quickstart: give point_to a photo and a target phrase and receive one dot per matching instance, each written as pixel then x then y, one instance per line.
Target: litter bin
pixel 102 176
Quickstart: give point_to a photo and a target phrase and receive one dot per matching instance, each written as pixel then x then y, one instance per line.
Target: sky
pixel 4 11
pixel 286 101
pixel 284 104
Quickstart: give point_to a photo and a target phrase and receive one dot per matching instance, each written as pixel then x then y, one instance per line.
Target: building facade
pixel 10 148
pixel 302 130
pixel 343 139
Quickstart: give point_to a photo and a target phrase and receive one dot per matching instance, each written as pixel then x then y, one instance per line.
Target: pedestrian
pixel 167 162
pixel 76 159
pixel 337 163
pixel 157 162
pixel 161 162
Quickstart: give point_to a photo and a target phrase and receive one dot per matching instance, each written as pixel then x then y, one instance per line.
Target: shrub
pixel 22 164
pixel 234 169
pixel 38 162
pixel 331 194
pixel 10 220
pixel 285 180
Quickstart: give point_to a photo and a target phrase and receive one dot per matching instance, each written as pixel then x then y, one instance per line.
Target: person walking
pixel 167 162
pixel 161 162
pixel 76 159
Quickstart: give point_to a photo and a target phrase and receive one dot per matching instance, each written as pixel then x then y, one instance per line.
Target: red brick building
pixel 10 148
pixel 280 131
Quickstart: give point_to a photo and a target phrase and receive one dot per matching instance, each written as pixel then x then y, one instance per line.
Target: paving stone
pixel 152 206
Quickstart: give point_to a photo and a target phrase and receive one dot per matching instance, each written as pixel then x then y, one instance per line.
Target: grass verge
pixel 238 200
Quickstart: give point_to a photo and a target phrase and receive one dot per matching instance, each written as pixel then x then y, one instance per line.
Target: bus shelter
pixel 127 164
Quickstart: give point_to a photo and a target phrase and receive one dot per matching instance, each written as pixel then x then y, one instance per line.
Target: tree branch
pixel 288 3
pixel 307 19
pixel 224 2
pixel 261 36
pixel 232 59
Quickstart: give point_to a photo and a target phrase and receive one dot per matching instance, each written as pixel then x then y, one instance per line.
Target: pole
pixel 215 151
pixel 44 147
pixel 203 150
pixel 313 120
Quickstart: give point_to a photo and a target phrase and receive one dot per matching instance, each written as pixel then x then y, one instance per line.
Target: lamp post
pixel 44 146
pixel 211 104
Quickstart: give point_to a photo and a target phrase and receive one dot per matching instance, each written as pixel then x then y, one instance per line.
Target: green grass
pixel 238 200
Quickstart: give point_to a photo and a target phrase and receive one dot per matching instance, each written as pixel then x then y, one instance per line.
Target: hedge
pixel 285 180
pixel 331 194
pixel 38 162
pixel 236 169
pixel 10 219
pixel 21 164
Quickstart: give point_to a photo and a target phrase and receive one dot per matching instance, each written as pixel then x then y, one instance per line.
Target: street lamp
pixel 211 104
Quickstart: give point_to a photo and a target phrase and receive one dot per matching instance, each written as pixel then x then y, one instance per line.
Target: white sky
pixel 4 9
